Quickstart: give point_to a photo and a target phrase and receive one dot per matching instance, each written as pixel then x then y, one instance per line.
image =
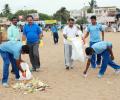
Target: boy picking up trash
pixel 105 49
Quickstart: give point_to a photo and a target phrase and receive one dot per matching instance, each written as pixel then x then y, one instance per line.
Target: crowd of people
pixel 99 53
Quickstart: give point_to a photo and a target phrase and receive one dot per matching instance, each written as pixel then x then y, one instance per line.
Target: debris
pixel 31 86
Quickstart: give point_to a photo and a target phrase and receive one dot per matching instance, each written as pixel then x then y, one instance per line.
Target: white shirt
pixel 71 32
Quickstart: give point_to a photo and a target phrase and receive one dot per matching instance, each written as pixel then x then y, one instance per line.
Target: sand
pixel 68 85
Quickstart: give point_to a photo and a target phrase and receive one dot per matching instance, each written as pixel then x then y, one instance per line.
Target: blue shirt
pixel 12 47
pixel 32 33
pixel 54 29
pixel 100 47
pixel 95 31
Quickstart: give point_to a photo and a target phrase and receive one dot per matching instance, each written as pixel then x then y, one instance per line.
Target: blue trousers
pixel 7 58
pixel 107 61
pixel 93 58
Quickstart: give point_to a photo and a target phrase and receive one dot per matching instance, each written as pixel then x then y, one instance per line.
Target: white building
pixel 105 11
pixel 103 14
pixel 76 14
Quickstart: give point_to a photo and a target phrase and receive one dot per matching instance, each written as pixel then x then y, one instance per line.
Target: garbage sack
pixel 77 49
pixel 26 68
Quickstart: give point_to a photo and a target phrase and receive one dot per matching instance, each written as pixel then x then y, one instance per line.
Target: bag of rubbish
pixel 77 49
pixel 26 68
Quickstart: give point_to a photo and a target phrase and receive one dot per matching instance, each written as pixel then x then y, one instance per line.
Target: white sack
pixel 77 49
pixel 26 68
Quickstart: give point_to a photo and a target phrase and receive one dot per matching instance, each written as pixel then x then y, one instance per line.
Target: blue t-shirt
pixel 12 47
pixel 95 31
pixel 54 29
pixel 100 47
pixel 32 33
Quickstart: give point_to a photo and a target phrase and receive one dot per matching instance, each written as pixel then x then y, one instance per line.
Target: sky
pixel 51 6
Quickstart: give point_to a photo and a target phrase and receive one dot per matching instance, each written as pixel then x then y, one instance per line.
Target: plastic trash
pixel 31 86
pixel 26 68
pixel 77 49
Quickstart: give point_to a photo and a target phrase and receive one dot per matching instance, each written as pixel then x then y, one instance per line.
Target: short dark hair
pixel 71 19
pixel 25 49
pixel 29 16
pixel 93 17
pixel 89 51
pixel 13 18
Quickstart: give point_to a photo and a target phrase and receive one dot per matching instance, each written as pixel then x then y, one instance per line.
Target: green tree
pixel 83 20
pixel 25 12
pixel 6 10
pixel 1 14
pixel 44 16
pixel 62 15
pixel 92 4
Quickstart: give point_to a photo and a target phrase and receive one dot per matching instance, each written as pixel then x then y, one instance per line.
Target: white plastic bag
pixel 77 49
pixel 26 68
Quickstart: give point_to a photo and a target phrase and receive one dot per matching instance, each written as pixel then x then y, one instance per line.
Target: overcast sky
pixel 50 6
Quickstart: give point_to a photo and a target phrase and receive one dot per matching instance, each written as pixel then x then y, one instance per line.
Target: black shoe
pixel 34 69
pixel 12 71
pixel 67 68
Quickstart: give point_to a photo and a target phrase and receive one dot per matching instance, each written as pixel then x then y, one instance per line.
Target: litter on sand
pixel 30 86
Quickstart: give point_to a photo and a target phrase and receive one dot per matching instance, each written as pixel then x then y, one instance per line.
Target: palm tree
pixel 6 10
pixel 92 4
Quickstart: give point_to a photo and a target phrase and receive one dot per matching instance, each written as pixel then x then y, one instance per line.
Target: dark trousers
pixel 107 61
pixel 34 55
pixel 55 37
pixel 93 59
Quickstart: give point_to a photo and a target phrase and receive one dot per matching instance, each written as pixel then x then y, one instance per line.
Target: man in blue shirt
pixel 54 30
pixel 95 30
pixel 32 34
pixel 14 49
pixel 105 49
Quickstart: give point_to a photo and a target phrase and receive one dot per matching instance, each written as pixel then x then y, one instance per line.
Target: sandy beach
pixel 68 85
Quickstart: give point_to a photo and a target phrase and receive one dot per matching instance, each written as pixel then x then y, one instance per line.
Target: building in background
pixel 104 14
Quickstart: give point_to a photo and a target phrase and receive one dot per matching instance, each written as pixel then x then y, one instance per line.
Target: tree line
pixel 61 15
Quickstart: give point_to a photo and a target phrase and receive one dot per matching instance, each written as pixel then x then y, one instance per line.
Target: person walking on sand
pixel 54 31
pixel 69 31
pixel 94 29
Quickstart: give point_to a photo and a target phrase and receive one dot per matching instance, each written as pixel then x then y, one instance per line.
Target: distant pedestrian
pixel 54 30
